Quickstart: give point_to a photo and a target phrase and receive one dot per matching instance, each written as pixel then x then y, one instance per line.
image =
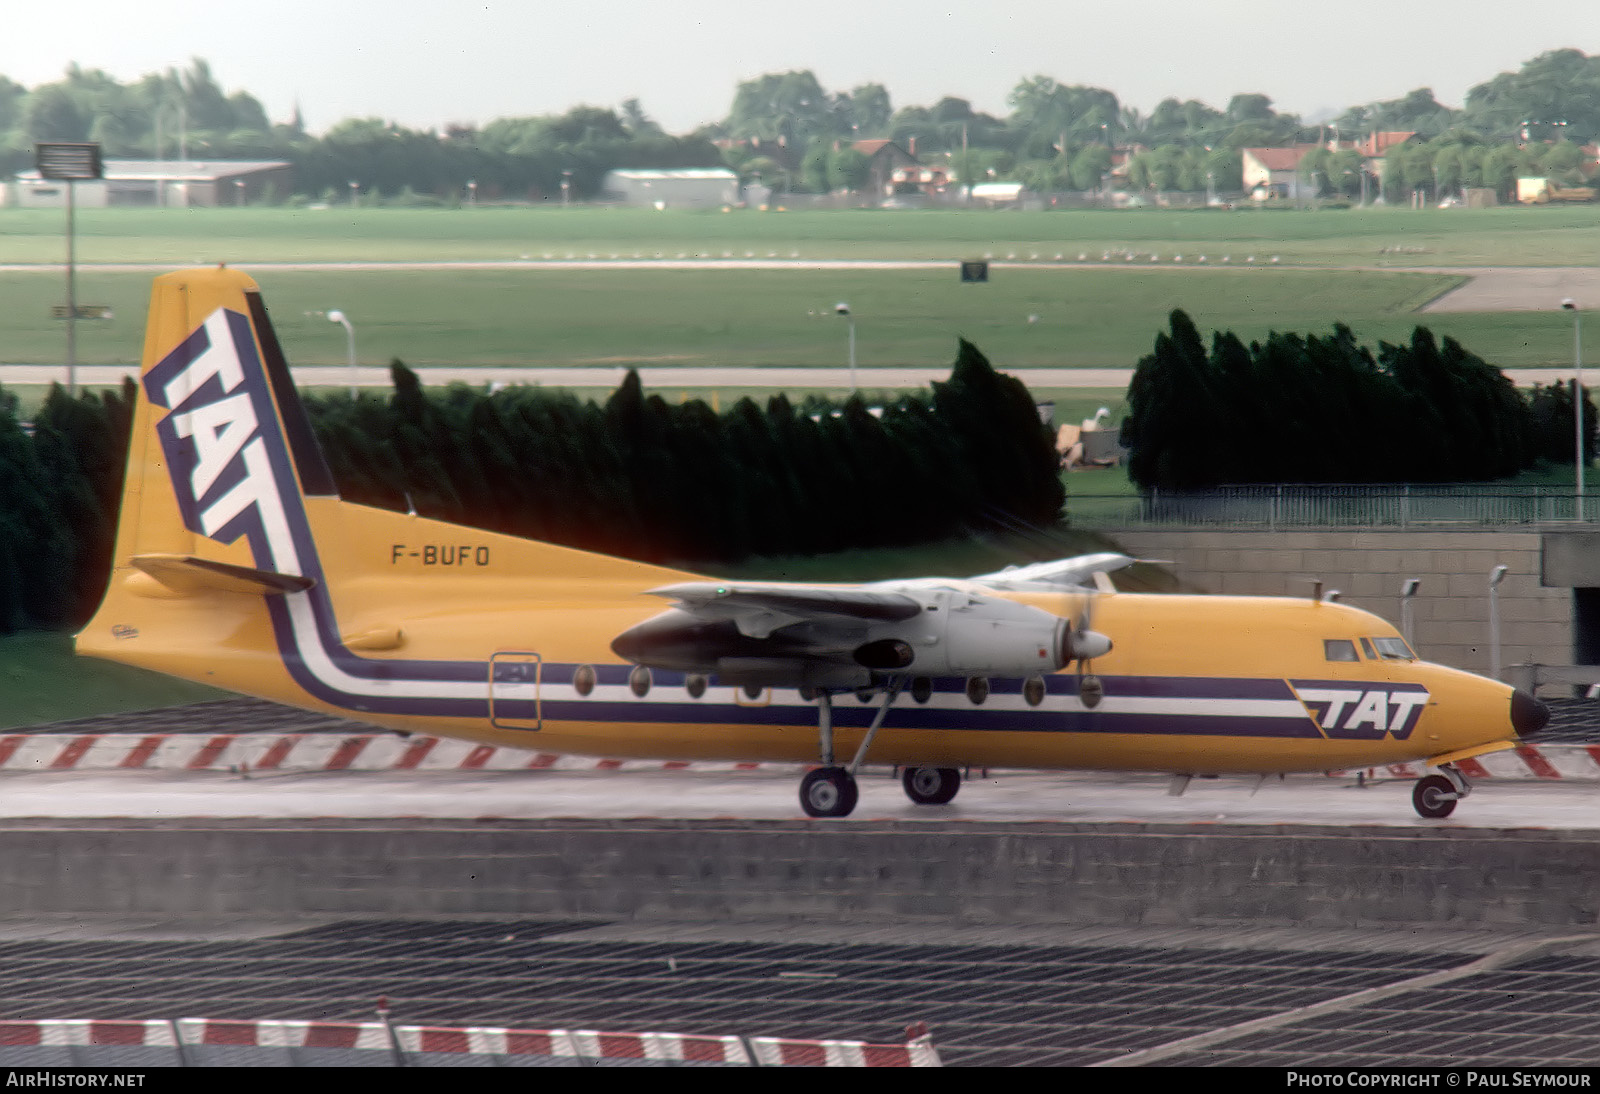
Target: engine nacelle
pixel 959 634
pixel 949 632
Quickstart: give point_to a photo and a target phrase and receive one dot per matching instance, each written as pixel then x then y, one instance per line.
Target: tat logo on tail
pixel 225 457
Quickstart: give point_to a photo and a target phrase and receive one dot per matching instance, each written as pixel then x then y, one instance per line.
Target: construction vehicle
pixel 1543 191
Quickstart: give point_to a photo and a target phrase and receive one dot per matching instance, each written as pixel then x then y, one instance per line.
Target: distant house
pixel 178 183
pixel 1275 172
pixel 1377 145
pixel 884 159
pixel 672 188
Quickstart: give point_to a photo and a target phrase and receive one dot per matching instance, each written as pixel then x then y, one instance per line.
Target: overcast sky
pixel 425 63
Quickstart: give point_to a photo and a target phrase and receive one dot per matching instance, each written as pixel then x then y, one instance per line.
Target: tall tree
pixel 791 106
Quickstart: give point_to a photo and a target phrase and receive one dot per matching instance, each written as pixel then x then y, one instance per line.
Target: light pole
pixel 841 308
pixel 1408 593
pixel 70 162
pixel 1578 453
pixel 350 343
pixel 1496 576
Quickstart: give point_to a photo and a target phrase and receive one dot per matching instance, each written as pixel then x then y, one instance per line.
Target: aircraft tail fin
pixel 237 563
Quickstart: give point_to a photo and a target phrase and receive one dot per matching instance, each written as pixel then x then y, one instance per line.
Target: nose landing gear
pixel 1435 796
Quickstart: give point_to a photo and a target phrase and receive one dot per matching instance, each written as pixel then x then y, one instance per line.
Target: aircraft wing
pixel 758 608
pixel 839 635
pixel 1078 570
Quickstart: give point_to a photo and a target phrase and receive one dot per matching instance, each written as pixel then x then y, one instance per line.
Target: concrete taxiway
pixel 771 795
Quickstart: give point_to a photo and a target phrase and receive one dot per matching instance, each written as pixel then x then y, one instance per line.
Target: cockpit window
pixel 1366 647
pixel 1339 649
pixel 1394 649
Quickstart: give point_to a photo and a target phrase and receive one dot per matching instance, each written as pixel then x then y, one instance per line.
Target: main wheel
pixel 931 785
pixel 1434 797
pixel 828 792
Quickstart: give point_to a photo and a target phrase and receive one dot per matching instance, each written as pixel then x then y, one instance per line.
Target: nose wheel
pixel 1435 796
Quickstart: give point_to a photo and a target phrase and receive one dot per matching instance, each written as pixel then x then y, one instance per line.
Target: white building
pixel 669 188
pixel 178 183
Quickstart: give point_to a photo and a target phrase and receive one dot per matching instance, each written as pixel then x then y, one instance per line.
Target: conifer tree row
pixel 1309 409
pixel 647 479
pixel 59 495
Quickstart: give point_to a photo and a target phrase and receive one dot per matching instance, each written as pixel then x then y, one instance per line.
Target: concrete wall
pixel 1131 875
pixel 1451 607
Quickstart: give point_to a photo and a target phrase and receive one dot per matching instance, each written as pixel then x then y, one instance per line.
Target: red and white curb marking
pixel 778 1052
pixel 1522 762
pixel 584 1044
pixel 575 1045
pixel 273 752
pixel 269 752
pixel 71 1032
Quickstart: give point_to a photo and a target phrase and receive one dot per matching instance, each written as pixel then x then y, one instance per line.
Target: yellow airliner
pixel 238 565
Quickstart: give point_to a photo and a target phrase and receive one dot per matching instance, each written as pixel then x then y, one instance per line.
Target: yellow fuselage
pixel 237 565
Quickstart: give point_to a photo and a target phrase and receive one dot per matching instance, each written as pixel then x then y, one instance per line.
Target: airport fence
pixel 1335 506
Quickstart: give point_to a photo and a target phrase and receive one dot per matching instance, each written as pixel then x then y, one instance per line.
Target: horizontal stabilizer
pixel 1038 576
pixel 188 574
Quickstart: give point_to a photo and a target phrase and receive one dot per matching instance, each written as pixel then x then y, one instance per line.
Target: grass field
pixel 44 682
pixel 1403 237
pixel 1083 316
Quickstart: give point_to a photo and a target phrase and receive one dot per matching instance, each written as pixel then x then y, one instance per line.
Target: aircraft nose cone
pixel 1528 715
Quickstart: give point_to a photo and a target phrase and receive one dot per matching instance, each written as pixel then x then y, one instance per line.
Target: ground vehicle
pixel 1542 191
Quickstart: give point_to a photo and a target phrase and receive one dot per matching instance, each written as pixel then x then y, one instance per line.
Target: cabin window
pixel 639 681
pixel 1339 649
pixel 1033 690
pixel 977 689
pixel 1394 649
pixel 695 685
pixel 921 689
pixel 583 680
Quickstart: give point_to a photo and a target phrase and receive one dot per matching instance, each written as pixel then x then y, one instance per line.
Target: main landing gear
pixel 831 791
pixel 931 785
pixel 1435 796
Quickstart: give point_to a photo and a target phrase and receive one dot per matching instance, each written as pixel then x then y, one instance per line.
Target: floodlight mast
pixel 843 309
pixel 1579 456
pixel 69 162
pixel 337 316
